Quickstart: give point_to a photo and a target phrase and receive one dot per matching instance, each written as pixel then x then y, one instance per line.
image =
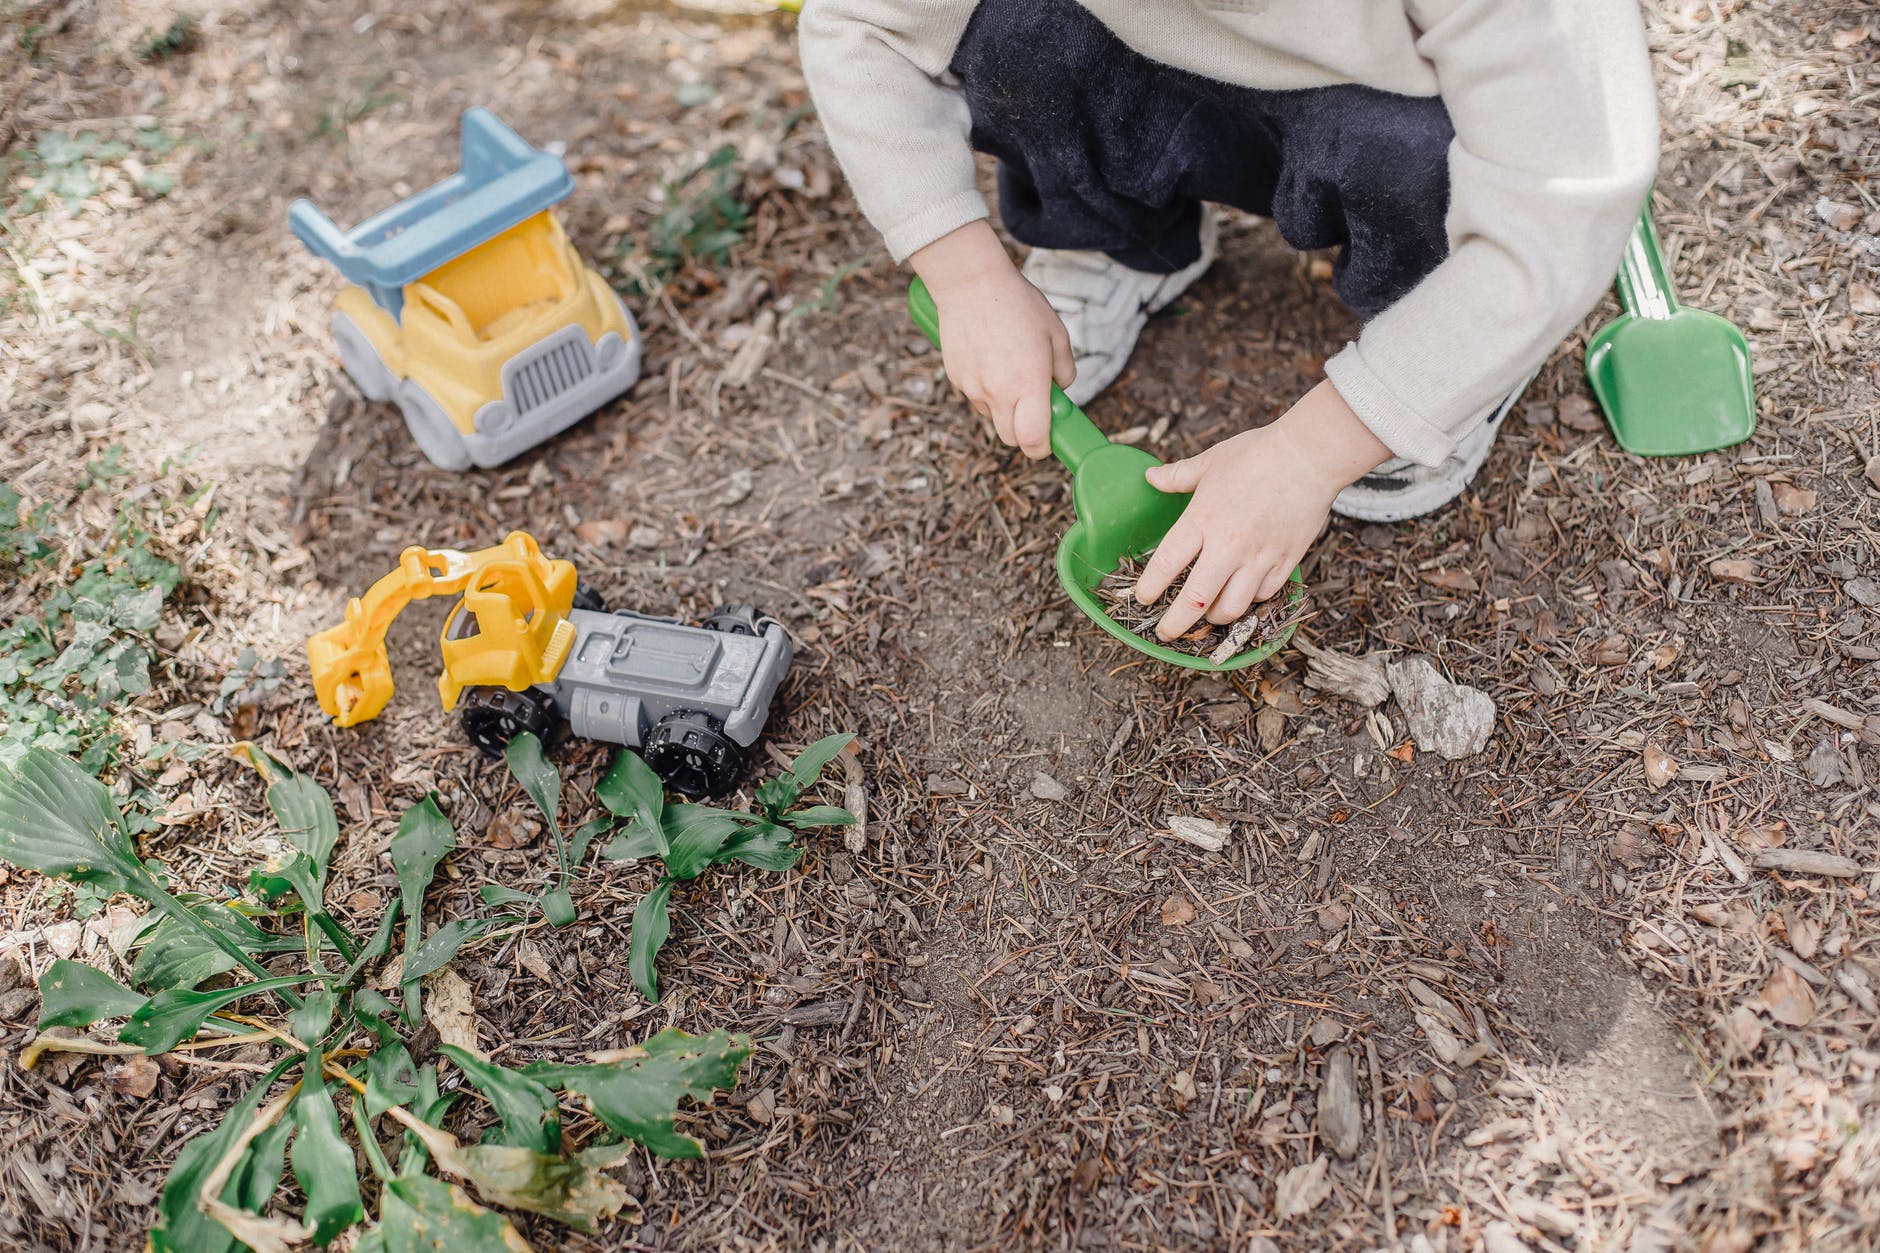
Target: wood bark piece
pixel 1452 720
pixel 1807 861
pixel 1361 680
pixel 1341 1118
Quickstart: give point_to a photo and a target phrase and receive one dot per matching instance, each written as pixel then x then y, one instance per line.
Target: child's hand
pixel 1260 499
pixel 1002 343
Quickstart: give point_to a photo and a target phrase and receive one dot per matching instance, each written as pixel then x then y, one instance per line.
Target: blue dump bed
pixel 501 180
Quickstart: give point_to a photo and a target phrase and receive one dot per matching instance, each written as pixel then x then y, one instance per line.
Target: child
pixel 1478 163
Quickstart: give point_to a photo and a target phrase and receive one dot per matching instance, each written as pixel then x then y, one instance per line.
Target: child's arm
pixel 874 68
pixel 1556 144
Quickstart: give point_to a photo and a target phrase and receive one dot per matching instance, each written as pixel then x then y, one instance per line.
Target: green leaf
pixel 584 836
pixel 809 763
pixel 391 1078
pixel 632 790
pixel 175 1015
pixel 419 1214
pixel 697 832
pixel 429 1106
pixel 531 1118
pixel 766 846
pixel 435 953
pixel 177 955
pixel 424 839
pixel 497 894
pixel 59 821
pixel 72 994
pixel 377 947
pixel 634 843
pixel 636 1092
pixel 310 1022
pixel 570 1190
pixel 538 778
pixel 179 1226
pixel 819 816
pixel 650 929
pixel 308 823
pixel 558 907
pixel 323 1161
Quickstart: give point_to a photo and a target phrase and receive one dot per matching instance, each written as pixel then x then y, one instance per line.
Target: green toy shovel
pixel 1673 381
pixel 1118 514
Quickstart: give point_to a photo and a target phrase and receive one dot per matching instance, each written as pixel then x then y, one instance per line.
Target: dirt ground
pixel 1574 1010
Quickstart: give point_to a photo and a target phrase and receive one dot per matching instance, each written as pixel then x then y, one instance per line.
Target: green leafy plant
pixel 66 169
pixel 346 1059
pixel 176 38
pixel 704 219
pixel 66 668
pixel 689 839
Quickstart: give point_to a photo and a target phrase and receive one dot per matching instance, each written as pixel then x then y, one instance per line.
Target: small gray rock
pixel 1046 788
pixel 1341 1118
pixel 1862 591
pixel 1452 720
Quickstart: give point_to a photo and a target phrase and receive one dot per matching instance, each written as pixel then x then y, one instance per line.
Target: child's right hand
pixel 1003 345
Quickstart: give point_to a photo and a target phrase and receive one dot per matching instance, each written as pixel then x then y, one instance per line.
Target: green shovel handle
pixel 1073 435
pixel 1644 284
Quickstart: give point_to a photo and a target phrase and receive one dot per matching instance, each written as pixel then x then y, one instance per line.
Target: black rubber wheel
pixel 586 597
pixel 493 716
pixel 738 620
pixel 692 753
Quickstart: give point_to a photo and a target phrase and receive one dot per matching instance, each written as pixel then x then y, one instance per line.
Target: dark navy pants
pixel 1101 148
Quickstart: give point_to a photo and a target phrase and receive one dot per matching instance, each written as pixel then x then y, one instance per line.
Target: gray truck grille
pixel 550 374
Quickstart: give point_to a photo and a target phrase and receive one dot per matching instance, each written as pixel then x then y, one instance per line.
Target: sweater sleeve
pixel 1555 149
pixel 874 69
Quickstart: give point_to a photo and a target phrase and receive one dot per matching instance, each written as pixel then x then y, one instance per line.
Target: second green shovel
pixel 1673 381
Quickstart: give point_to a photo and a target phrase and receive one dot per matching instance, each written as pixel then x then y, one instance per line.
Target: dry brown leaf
pixel 1578 413
pixel 1182 1089
pixel 1452 580
pixel 601 532
pixel 1862 299
pixel 1663 656
pixel 135 1076
pixel 1744 1030
pixel 1177 912
pixel 1303 1188
pixel 1611 651
pixel 512 829
pixel 1788 998
pixel 1660 767
pixel 450 1006
pixel 1791 500
pixel 1733 570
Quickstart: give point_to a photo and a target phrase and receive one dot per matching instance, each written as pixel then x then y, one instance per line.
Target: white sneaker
pixel 1401 489
pixel 1105 304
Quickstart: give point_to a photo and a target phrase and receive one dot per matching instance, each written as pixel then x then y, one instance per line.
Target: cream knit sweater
pixel 1556 146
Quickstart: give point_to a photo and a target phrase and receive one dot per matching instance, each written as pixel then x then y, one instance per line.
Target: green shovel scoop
pixel 1673 381
pixel 1118 514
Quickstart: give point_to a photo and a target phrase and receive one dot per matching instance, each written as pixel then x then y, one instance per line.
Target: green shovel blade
pixel 1673 381
pixel 1119 514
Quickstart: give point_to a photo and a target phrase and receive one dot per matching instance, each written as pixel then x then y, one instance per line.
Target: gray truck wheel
pixel 738 620
pixel 493 716
pixel 690 751
pixel 586 597
pixel 431 427
pixel 361 359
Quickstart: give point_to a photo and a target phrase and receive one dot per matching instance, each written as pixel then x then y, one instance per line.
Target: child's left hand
pixel 1260 499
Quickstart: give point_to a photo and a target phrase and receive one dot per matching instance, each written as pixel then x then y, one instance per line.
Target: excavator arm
pixel 519 634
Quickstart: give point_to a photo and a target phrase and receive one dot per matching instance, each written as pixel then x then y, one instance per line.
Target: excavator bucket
pixel 520 634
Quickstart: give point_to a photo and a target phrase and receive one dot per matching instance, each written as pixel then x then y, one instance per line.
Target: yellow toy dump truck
pixel 472 311
pixel 526 648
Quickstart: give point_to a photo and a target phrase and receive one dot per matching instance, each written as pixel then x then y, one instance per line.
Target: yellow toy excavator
pixel 529 649
pixel 517 634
